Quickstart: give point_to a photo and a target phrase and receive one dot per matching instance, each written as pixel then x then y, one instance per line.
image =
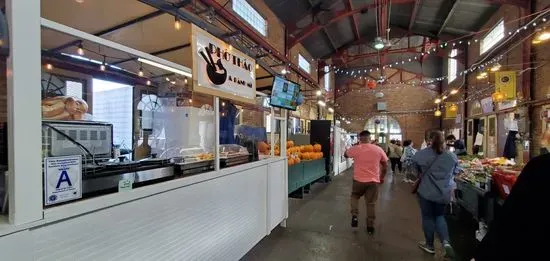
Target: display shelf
pixel 303 174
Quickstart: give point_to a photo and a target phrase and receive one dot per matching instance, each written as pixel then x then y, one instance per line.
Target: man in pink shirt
pixel 370 167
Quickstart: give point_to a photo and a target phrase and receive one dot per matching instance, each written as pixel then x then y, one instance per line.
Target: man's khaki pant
pixel 370 191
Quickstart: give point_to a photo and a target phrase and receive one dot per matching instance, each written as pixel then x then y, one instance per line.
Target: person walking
pixel 371 165
pixel 394 155
pixel 436 168
pixel 406 159
pixel 399 152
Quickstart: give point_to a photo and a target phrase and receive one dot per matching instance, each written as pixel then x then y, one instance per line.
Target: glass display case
pixel 233 154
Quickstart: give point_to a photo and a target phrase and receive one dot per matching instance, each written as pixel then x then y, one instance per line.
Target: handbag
pixel 416 184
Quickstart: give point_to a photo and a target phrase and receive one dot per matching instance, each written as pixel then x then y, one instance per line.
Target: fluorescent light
pixel 162 66
pixel 322 103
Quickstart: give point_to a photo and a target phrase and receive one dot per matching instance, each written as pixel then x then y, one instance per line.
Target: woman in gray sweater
pixel 435 167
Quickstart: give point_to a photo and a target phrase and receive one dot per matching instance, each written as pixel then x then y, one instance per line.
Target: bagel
pixel 52 108
pixel 62 116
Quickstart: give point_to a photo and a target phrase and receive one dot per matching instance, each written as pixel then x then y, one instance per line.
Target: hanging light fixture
pixel 148 82
pixel 321 103
pixel 318 93
pixel 454 91
pixel 140 73
pixel 444 97
pixel 437 101
pixel 80 49
pixel 378 43
pixel 437 113
pixel 102 66
pixel 49 66
pixel 257 66
pixel 331 110
pixel 185 80
pixel 541 37
pixel 177 24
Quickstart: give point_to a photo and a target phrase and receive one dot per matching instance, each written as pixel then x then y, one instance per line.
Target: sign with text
pixel 62 179
pixel 221 70
pixel 505 83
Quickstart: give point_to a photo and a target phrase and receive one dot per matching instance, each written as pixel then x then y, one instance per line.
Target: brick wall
pixel 359 104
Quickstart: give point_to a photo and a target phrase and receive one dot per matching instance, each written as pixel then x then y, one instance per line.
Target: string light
pixel 437 101
pixel 437 113
pixel 454 91
pixel 185 80
pixel 49 66
pixel 230 47
pixel 257 66
pixel 318 93
pixel 148 82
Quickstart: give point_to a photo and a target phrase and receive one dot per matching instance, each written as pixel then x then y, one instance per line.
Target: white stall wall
pixel 218 219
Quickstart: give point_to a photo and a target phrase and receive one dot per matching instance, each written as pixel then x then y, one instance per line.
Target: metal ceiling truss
pixel 353 19
pixel 449 16
pixel 338 15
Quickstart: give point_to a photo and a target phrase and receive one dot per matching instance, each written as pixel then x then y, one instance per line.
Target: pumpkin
pixel 317 147
pixel 297 160
pixel 290 162
pixel 305 155
pixel 288 152
pixel 321 155
pixel 309 148
pixel 289 144
pixel 299 155
pixel 263 147
pixel 277 152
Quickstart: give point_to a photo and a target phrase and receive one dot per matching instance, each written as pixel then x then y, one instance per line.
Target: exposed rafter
pixel 448 18
pixel 413 15
pixel 353 20
pixel 339 15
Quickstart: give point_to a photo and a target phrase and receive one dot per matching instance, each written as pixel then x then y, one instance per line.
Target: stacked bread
pixel 63 108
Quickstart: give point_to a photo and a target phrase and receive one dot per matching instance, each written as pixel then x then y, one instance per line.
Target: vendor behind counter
pixel 457 145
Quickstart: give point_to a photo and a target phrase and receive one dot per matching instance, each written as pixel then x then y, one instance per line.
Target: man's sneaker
pixel 370 230
pixel 449 252
pixel 426 248
pixel 354 221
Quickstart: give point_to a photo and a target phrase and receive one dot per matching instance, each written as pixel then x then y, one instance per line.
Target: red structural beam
pixel 349 7
pixel 338 15
pixel 237 22
pixel 352 58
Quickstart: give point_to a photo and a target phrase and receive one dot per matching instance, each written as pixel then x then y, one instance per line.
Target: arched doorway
pixel 384 128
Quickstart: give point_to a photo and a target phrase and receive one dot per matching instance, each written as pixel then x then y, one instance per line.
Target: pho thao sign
pixel 220 70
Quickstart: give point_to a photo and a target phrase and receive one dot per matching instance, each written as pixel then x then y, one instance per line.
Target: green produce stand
pixel 305 173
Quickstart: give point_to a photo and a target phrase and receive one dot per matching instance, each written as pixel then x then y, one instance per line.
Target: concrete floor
pixel 319 228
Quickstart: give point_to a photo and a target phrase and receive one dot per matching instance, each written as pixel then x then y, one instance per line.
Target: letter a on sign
pixel 64 177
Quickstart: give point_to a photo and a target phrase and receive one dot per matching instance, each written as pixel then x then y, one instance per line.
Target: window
pixel 493 37
pixel 250 15
pixel 327 78
pixel 452 65
pixel 304 64
pixel 74 89
pixel 113 103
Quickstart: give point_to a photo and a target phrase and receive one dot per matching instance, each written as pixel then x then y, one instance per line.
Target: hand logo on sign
pixel 215 77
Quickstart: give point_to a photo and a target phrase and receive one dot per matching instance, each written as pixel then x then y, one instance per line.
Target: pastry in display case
pixel 191 161
pixel 233 154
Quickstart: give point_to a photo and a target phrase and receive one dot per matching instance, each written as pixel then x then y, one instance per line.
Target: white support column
pixel 24 112
pixel 217 131
pixel 284 130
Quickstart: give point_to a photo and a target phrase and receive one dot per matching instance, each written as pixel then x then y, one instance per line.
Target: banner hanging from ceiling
pixel 451 109
pixel 221 70
pixel 505 83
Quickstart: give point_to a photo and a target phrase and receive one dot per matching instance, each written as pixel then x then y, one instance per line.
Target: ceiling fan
pixel 315 10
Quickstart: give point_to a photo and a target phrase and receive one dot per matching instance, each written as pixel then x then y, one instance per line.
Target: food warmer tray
pixel 195 167
pixel 233 160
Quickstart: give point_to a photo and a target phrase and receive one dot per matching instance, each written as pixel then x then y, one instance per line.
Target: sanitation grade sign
pixel 62 179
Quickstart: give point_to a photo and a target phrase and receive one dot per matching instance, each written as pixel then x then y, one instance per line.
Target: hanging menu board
pixel 220 70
